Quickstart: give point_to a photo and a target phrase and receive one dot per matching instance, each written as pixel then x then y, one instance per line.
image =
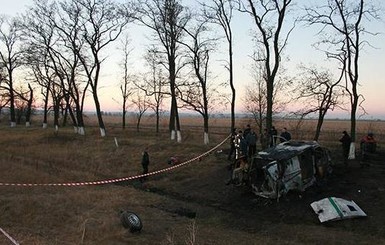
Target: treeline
pixel 52 57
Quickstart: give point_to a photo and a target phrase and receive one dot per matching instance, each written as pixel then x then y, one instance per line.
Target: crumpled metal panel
pixel 333 208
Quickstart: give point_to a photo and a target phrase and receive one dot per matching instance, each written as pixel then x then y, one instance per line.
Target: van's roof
pixel 287 150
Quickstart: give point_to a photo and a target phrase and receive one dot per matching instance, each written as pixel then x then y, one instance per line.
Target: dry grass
pixel 90 214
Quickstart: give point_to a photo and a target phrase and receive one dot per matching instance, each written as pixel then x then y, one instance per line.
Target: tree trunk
pixel 269 100
pixel 319 124
pixel 138 123
pixel 79 119
pixel 233 92
pixel 12 102
pixel 56 112
pixel 29 107
pixel 171 124
pixel 206 140
pixel 352 152
pixel 99 113
pixel 124 119
pixel 45 112
pixel 157 121
pixel 177 122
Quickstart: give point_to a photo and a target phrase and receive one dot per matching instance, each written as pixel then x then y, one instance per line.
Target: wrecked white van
pixel 292 165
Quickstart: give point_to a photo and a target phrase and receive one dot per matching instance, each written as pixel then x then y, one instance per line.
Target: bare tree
pixel 167 19
pixel 23 103
pixel 51 88
pixel 319 92
pixel 37 41
pixel 53 30
pixel 38 60
pixel 26 105
pixel 342 28
pixel 10 58
pixel 220 12
pixel 195 93
pixel 44 79
pixel 255 99
pixel 155 83
pixel 269 18
pixel 255 103
pixel 67 23
pixel 102 23
pixel 139 101
pixel 125 86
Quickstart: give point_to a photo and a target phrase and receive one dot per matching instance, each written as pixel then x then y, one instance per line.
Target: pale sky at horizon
pixel 372 62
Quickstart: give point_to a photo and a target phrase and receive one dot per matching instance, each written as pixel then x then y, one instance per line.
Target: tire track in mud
pixel 240 206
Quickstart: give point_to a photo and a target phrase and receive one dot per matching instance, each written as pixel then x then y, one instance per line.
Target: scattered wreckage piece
pixel 333 208
pixel 292 165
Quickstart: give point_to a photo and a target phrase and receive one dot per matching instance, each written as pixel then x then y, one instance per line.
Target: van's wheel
pixel 131 221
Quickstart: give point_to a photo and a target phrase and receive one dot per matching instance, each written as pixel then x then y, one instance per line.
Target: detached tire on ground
pixel 131 221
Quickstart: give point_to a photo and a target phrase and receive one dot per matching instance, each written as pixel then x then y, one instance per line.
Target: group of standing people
pixel 367 145
pixel 244 143
pixel 270 137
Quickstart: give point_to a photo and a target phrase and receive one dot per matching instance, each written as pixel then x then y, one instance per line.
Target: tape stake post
pixel 111 181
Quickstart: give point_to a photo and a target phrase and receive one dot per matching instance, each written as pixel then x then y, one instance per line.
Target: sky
pixel 299 50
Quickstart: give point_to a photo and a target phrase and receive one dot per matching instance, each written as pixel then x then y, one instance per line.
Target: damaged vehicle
pixel 288 166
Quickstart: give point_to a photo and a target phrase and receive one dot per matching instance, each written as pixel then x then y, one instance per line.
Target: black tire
pixel 131 221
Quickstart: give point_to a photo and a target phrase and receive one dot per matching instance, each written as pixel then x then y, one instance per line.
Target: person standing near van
pixel 285 135
pixel 251 140
pixel 345 141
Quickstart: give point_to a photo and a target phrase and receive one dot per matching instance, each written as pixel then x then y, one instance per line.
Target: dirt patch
pixel 290 219
pixel 188 203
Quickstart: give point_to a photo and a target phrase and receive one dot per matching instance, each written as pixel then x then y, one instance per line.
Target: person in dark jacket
pixel 246 131
pixel 145 163
pixel 367 145
pixel 345 140
pixel 285 135
pixel 232 145
pixel 251 140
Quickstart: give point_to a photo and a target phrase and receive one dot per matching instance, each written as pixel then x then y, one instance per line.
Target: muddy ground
pixel 188 205
pixel 291 220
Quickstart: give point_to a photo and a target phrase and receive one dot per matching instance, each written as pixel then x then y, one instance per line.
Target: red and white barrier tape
pixel 9 237
pixel 110 181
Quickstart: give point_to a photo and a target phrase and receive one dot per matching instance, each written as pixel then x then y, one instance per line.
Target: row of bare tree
pixel 63 44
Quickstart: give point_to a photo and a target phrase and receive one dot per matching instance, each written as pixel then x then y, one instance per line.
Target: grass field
pixel 188 205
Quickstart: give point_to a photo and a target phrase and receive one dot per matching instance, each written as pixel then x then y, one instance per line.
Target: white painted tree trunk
pixel 206 140
pixel 81 131
pixel 28 124
pixel 352 151
pixel 76 130
pixel 45 125
pixel 13 124
pixel 102 132
pixel 172 134
pixel 178 136
pixel 56 128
